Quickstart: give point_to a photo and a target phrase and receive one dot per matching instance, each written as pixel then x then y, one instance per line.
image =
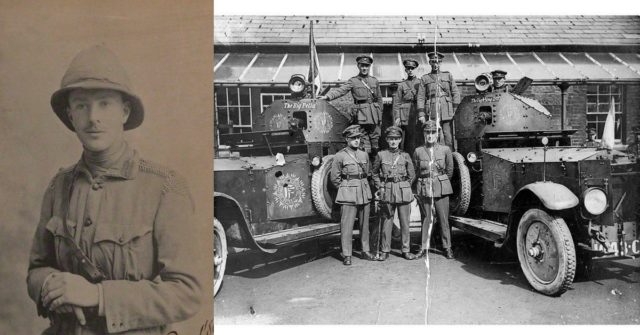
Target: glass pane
pixel 234 115
pixel 632 59
pixel 592 108
pixel 592 89
pixel 295 64
pixel 244 96
pixel 217 57
pixel 221 96
pixel 618 127
pixel 329 67
pixel 592 98
pixel 266 100
pixel 245 115
pixel 221 115
pixel 233 96
pixel 559 66
pixel 386 67
pixel 603 99
pixel 531 67
pixel 615 89
pixel 264 68
pixel 586 66
pixel 603 89
pixel 232 68
pixel 472 65
pixel 618 69
pixel 502 62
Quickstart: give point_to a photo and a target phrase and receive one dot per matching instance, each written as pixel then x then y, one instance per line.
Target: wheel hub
pixel 541 251
pixel 536 251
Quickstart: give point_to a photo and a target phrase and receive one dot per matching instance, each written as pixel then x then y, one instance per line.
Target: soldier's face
pixel 394 142
pixel 435 65
pixel 364 68
pixel 409 70
pixel 499 82
pixel 353 142
pixel 98 117
pixel 431 137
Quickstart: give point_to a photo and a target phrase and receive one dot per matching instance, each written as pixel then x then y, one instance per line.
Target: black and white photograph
pixel 426 168
pixel 105 114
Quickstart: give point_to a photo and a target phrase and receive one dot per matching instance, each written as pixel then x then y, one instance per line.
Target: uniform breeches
pixel 446 137
pixel 412 135
pixel 386 220
pixel 441 205
pixel 346 227
pixel 370 137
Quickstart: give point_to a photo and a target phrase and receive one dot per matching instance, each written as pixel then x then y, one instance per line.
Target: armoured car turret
pixel 524 187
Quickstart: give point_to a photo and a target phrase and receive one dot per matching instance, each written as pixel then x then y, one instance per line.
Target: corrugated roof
pixel 397 30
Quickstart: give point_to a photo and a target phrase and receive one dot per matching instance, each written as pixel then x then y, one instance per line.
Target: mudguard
pixel 553 196
pixel 243 225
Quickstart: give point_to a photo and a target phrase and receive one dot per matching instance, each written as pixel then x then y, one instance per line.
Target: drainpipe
pixel 563 94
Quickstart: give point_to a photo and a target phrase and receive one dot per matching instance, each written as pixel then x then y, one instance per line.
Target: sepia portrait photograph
pixel 106 167
pixel 415 167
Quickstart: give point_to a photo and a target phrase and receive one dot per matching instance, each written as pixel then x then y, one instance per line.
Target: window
pixel 267 98
pixel 598 101
pixel 233 109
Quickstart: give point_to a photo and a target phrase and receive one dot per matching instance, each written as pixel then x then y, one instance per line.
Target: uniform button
pixel 87 222
pixel 121 239
pixel 95 186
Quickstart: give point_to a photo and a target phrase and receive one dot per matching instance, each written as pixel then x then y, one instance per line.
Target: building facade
pixel 579 64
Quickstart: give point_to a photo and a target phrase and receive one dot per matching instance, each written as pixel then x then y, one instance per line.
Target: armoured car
pixel 271 186
pixel 520 184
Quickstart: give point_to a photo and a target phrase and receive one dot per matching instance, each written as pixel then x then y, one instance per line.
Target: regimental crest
pixel 322 121
pixel 278 122
pixel 289 191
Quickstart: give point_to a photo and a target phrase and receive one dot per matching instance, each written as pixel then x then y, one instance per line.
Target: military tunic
pixel 134 222
pixel 393 174
pixel 349 172
pixel 504 89
pixel 367 109
pixel 405 109
pixel 439 92
pixel 434 168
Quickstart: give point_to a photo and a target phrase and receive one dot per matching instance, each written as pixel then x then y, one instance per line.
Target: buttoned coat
pixel 367 107
pixel 434 170
pixel 135 224
pixel 351 190
pixel 393 174
pixel 405 100
pixel 438 90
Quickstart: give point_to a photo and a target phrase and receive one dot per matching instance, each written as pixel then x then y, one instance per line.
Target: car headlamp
pixel 471 157
pixel 297 83
pixel 315 161
pixel 595 201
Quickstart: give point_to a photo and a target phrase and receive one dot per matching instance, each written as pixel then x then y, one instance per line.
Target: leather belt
pixel 354 176
pixel 429 175
pixel 395 179
pixel 360 102
pixel 438 96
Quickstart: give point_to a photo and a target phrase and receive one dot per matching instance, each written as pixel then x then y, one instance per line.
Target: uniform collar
pixel 125 167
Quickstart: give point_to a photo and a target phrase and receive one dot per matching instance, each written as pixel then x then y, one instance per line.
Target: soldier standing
pixel 367 99
pixel 437 93
pixel 112 251
pixel 434 165
pixel 393 174
pixel 591 139
pixel 499 81
pixel 405 108
pixel 349 173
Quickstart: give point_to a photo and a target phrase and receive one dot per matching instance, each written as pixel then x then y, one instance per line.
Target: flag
pixel 608 135
pixel 314 73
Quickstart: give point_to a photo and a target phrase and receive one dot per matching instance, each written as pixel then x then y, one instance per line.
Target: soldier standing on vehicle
pixel 393 174
pixel 367 99
pixel 434 165
pixel 113 250
pixel 349 172
pixel 437 93
pixel 591 139
pixel 499 81
pixel 405 112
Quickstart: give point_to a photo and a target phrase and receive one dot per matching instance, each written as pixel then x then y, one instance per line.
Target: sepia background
pixel 166 49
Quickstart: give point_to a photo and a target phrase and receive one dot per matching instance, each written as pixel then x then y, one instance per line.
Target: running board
pixel 298 234
pixel 487 229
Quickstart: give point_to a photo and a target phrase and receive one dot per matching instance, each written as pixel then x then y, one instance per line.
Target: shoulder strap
pixel 367 86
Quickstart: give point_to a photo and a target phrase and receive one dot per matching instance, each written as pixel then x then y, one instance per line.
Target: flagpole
pixel 311 57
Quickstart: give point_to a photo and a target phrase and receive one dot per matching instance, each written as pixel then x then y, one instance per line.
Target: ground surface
pixel 307 284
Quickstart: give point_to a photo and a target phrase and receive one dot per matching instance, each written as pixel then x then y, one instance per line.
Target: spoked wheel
pixel 219 255
pixel 546 252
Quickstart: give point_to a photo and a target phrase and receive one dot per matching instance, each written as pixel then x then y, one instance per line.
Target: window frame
pixel 596 119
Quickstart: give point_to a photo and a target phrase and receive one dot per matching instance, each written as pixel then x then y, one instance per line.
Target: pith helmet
pixel 430 126
pixel 393 131
pixel 352 131
pixel 366 59
pixel 96 68
pixel 409 62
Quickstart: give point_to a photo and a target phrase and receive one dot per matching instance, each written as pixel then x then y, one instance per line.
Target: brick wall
pixel 632 110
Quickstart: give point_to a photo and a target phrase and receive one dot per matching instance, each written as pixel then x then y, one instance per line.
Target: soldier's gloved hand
pixel 323 97
pixel 422 119
pixel 68 288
